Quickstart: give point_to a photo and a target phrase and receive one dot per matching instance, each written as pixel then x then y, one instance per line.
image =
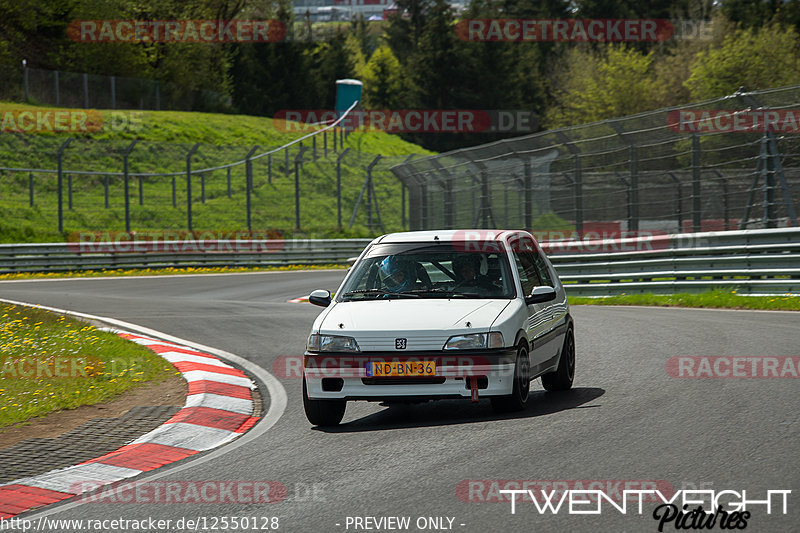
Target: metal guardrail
pixel 749 261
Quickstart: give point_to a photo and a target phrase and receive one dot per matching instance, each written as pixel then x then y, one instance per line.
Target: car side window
pixel 528 272
pixel 541 266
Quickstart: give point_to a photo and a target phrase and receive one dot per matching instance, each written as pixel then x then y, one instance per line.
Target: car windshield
pixel 425 271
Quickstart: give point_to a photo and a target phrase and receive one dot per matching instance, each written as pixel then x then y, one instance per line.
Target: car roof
pixel 453 235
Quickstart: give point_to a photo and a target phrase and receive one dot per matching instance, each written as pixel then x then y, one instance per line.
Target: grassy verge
pixel 711 299
pixel 50 362
pixel 161 272
pixel 165 138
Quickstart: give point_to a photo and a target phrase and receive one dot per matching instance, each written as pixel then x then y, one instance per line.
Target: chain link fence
pixel 93 91
pixel 671 170
pixel 323 184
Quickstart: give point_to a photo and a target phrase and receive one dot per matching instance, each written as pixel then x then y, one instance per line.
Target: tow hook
pixel 473 386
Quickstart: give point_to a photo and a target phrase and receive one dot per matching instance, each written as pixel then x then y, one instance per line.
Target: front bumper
pixel 344 376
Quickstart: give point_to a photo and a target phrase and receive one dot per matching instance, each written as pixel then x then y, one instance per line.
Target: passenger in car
pixel 467 270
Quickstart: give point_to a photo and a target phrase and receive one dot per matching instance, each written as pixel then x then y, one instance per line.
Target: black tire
pixel 518 398
pixel 562 378
pixel 323 412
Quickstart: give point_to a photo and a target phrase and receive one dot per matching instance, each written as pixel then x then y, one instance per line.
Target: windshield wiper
pixel 443 292
pixel 379 292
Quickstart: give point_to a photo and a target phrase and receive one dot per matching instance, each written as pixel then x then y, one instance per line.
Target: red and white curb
pixel 299 300
pixel 219 407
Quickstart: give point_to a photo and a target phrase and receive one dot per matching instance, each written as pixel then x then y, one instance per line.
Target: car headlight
pixel 475 341
pixel 331 343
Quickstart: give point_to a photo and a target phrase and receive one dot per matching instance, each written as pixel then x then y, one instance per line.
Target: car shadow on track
pixel 450 412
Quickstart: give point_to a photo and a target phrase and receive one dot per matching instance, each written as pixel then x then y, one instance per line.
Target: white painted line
pixel 189 436
pixel 73 478
pixel 202 375
pixel 178 357
pixel 218 401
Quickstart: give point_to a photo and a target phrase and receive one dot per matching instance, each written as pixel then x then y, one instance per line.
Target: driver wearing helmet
pixel 397 274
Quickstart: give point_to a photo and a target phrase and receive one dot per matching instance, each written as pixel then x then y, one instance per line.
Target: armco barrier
pixel 749 262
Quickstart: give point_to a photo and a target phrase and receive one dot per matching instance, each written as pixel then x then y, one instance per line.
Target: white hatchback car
pixel 440 314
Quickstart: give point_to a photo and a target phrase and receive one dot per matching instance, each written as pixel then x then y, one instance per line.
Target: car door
pixel 539 315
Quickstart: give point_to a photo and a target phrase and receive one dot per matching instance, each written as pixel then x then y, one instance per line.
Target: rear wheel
pixel 518 398
pixel 562 378
pixel 323 412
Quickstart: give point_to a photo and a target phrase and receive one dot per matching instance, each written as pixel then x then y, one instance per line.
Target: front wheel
pixel 562 378
pixel 323 412
pixel 518 398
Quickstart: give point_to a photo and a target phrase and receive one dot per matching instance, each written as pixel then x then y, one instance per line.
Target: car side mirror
pixel 320 297
pixel 540 295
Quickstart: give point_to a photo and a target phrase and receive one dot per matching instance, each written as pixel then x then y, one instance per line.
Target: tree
pixel 384 87
pixel 753 58
pixel 611 82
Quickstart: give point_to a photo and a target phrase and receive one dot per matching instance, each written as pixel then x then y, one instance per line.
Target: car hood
pixel 411 315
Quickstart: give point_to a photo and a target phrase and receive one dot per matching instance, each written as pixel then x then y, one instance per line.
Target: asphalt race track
pixel 626 418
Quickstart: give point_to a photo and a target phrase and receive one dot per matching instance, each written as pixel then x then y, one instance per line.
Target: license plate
pixel 405 368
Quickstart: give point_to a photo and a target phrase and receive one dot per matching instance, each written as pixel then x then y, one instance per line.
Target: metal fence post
pixel 298 159
pixel 339 187
pixel 403 196
pixel 30 189
pixel 372 196
pixel 578 195
pixel 228 172
pixel 528 184
pixel 314 148
pixel 634 221
pixel 203 188
pixel 60 157
pixel 189 185
pixel 55 81
pixel 286 161
pixel 325 143
pixel 628 195
pixel 105 191
pixel 402 205
pixel 174 193
pixel 69 191
pixel 696 204
pixel 248 186
pixel 769 186
pixel 335 147
pixel 127 188
pixel 141 190
pixel 113 92
pixel 679 206
pixel 269 168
